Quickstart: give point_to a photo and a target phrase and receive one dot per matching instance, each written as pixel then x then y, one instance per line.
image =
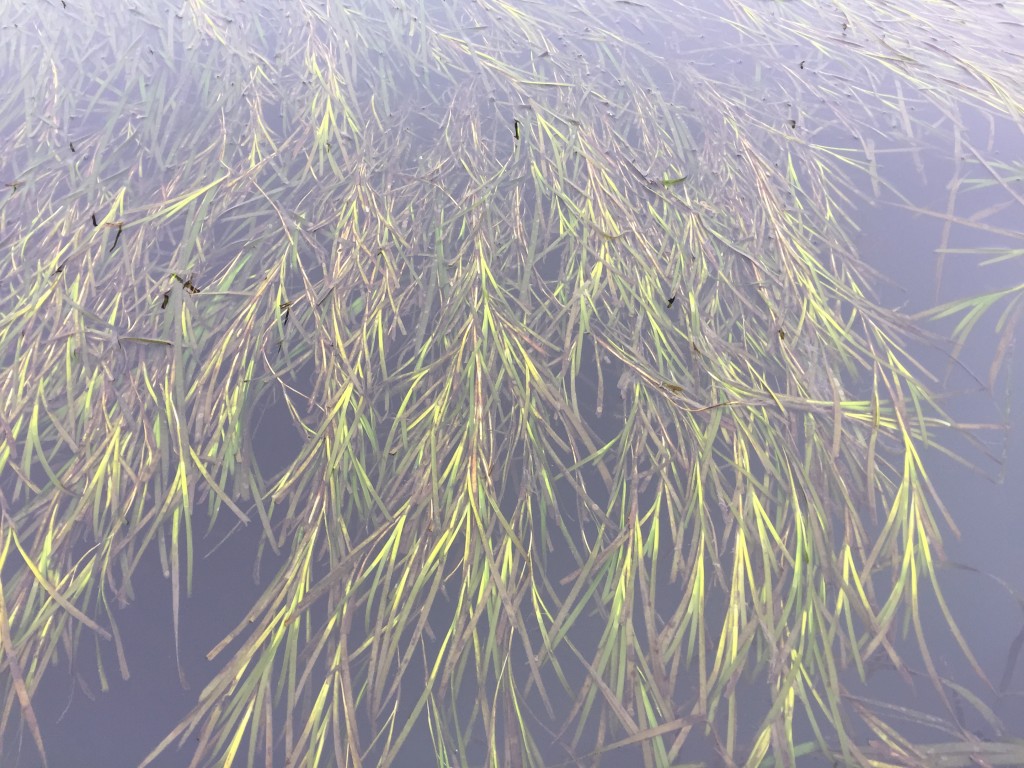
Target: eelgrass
pixel 608 448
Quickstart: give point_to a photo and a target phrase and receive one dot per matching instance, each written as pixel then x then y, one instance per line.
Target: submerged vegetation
pixel 607 448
